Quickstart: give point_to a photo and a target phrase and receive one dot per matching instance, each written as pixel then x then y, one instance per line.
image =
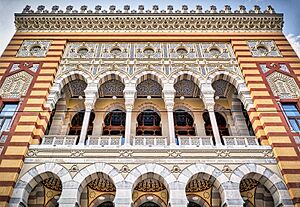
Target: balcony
pixel 151 141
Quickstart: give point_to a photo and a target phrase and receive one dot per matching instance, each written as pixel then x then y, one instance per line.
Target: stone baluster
pixel 129 95
pixel 207 95
pixel 91 93
pixel 169 96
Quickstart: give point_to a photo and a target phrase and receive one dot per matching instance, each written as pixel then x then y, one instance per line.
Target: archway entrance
pixel 150 191
pixel 46 193
pixel 100 192
pixel 201 192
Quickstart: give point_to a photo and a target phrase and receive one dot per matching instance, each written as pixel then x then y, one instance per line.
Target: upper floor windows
pixel 6 115
pixel 292 113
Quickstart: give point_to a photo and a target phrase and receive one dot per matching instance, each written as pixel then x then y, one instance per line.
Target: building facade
pixel 149 108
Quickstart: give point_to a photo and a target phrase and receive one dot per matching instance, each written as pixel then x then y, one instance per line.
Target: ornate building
pixel 149 108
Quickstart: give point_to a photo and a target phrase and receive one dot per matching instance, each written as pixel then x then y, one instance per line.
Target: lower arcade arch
pixel 99 192
pixel 201 191
pixel 259 186
pixel 254 193
pixel 150 190
pixel 46 192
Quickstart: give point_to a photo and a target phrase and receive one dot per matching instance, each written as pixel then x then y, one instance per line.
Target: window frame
pixel 287 118
pixel 12 117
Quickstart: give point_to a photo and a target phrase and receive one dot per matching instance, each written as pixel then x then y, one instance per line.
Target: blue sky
pixel 290 8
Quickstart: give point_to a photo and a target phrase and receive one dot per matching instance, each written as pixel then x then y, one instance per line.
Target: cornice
pixel 150 20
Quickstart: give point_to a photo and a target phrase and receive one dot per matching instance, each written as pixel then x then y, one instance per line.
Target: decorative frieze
pixel 165 57
pixel 149 20
pixel 263 48
pixel 34 48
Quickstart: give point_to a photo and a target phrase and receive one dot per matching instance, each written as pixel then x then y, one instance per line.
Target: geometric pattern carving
pixel 149 88
pixel 112 88
pixel 150 185
pixel 165 57
pixel 223 88
pixel 197 185
pixel 34 48
pixel 283 86
pixel 53 183
pixel 186 88
pixel 263 48
pixel 75 88
pixel 16 85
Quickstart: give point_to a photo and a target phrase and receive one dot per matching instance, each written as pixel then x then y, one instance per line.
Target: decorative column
pixel 129 95
pixel 169 96
pixel 207 95
pixel 90 99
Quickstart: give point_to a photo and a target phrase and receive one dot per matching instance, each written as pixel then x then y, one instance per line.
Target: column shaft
pixel 215 127
pixel 128 125
pixel 85 126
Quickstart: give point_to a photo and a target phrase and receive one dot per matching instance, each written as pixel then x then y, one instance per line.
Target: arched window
pixel 148 123
pixel 184 123
pixel 114 123
pixel 77 121
pixel 222 125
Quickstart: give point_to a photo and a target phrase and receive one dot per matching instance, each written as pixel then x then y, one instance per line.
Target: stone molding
pixel 151 20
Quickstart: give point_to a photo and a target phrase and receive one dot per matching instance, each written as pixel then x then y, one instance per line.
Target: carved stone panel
pixel 34 48
pixel 263 48
pixel 283 86
pixel 16 85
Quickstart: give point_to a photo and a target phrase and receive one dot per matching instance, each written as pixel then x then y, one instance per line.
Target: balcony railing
pixel 105 140
pixel 150 141
pixel 240 141
pixel 194 141
pixel 59 140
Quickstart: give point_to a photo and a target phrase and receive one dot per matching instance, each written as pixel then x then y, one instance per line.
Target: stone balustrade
pixel 149 141
pixel 105 140
pixel 59 140
pixel 195 141
pixel 240 141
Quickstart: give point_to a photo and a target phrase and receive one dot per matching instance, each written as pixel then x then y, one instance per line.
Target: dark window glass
pixel 7 114
pixel 114 123
pixel 148 123
pixel 293 115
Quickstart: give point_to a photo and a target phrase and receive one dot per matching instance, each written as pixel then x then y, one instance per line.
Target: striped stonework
pixel 30 123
